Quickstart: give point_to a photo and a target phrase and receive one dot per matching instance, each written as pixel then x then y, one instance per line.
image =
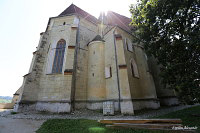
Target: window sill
pixel 108 77
pixel 136 77
pixel 130 51
pixel 54 73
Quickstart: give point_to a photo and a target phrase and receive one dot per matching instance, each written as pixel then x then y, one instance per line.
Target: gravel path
pixel 9 125
pixel 87 114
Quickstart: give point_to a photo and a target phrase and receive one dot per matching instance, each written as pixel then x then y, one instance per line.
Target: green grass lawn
pixel 92 126
pixel 186 115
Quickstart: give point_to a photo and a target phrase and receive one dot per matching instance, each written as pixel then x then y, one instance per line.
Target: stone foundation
pixel 127 107
pixel 53 107
pixel 94 105
pixel 80 105
pixel 168 101
pixel 139 104
pixel 65 107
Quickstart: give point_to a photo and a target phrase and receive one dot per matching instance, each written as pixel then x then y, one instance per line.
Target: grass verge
pixel 92 126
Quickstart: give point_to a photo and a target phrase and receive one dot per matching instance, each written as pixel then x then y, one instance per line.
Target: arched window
pixel 134 68
pixel 59 56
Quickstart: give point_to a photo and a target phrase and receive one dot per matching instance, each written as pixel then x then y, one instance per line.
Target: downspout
pixel 73 88
pixel 119 93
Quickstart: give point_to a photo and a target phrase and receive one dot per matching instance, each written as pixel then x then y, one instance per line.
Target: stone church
pixel 85 62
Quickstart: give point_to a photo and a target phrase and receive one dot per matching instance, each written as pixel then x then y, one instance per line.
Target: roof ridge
pixel 119 14
pixel 75 9
pixel 119 20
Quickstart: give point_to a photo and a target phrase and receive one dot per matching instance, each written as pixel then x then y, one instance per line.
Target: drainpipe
pixel 117 70
pixel 73 88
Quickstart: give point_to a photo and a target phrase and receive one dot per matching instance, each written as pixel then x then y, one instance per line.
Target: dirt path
pixel 9 125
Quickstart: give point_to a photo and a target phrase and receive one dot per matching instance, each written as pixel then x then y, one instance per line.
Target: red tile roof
pixel 73 9
pixel 116 19
pixel 112 18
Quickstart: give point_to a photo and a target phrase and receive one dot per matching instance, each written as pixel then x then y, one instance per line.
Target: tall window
pixel 129 45
pixel 134 68
pixel 59 56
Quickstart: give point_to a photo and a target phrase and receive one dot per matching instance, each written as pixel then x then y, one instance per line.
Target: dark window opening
pixel 110 71
pixel 127 45
pixel 93 74
pixel 132 69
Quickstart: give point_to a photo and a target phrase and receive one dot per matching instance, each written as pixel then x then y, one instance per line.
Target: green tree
pixel 170 31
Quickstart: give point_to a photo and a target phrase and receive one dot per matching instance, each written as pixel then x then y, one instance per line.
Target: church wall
pixel 142 89
pixel 96 91
pixel 57 87
pixel 146 82
pixel 166 96
pixel 87 31
pixel 53 91
pixel 112 92
pixel 125 94
pixel 133 81
pixel 30 86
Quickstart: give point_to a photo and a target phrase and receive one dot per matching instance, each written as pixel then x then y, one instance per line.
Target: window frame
pixel 127 43
pixel 108 72
pixel 59 55
pixel 134 69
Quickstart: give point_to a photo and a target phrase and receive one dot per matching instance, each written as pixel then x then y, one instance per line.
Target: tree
pixel 170 31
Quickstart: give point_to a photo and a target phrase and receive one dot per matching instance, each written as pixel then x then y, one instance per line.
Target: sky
pixel 22 21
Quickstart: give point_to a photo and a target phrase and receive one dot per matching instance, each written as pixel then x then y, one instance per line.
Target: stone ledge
pixel 124 66
pixel 68 72
pixel 141 99
pixel 118 37
pixel 71 47
pixel 47 101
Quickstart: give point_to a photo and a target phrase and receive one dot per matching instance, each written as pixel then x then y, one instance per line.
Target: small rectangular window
pixel 76 21
pixel 108 72
pixel 134 69
pixel 129 45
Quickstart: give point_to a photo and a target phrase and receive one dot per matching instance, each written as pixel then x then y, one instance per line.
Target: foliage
pixel 169 30
pixel 188 116
pixel 5 101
